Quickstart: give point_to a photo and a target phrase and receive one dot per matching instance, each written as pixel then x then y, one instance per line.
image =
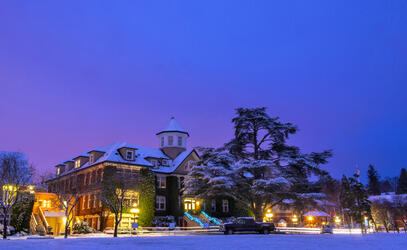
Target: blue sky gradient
pixel 79 74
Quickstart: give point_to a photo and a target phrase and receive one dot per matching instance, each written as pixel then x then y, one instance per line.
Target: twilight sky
pixel 81 74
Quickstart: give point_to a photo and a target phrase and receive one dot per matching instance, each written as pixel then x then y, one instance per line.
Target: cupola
pixel 173 139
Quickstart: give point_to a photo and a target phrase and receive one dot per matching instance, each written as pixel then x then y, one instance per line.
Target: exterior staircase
pixel 193 220
pixel 211 220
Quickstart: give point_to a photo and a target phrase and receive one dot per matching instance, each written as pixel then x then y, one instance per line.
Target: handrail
pixel 211 219
pixel 44 219
pixel 194 219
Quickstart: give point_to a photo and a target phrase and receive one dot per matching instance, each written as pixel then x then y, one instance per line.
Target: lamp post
pixel 294 219
pixel 269 215
pixel 135 211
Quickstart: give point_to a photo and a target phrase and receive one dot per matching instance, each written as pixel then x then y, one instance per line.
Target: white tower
pixel 173 139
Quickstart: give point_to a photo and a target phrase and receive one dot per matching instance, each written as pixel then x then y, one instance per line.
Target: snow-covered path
pixel 291 242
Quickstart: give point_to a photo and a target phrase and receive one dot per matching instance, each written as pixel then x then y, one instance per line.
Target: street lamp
pixel 269 215
pixel 337 220
pixel 135 210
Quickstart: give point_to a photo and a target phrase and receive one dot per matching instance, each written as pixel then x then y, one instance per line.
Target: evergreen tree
pixel 257 167
pixel 373 187
pixel 354 199
pixel 402 182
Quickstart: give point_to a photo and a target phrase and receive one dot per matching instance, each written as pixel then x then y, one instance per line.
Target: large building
pixel 170 162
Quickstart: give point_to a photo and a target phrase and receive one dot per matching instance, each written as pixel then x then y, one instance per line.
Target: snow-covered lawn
pixel 291 242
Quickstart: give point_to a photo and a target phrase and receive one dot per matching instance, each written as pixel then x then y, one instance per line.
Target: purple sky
pixel 80 74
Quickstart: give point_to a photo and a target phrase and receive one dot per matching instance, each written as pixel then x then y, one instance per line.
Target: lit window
pixel 160 202
pixel 77 163
pixel 162 141
pixel 129 155
pixel 170 140
pixel 179 141
pixel 164 162
pixel 161 181
pixel 91 158
pixel 225 206
pixel 213 205
pixel 58 171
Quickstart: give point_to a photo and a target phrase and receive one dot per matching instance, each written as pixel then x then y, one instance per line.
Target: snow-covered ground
pixel 254 241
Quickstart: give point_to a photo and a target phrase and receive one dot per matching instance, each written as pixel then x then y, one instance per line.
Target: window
pixel 179 141
pixel 91 158
pixel 77 163
pixel 170 140
pixel 164 162
pixel 161 181
pixel 162 141
pixel 99 176
pixel 213 206
pixel 160 202
pixel 58 171
pixel 189 165
pixel 129 155
pixel 83 202
pixel 154 162
pixel 45 203
pixel 225 206
pixel 89 201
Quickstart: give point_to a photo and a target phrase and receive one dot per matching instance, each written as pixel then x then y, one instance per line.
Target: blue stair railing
pixel 194 219
pixel 211 219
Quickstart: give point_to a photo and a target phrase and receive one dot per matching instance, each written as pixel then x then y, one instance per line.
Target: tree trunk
pixel 66 230
pixel 5 226
pixel 258 214
pixel 116 225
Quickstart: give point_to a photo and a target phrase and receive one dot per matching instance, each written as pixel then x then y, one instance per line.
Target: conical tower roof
pixel 173 126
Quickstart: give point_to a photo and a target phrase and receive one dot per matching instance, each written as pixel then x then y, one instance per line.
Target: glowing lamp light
pixel 337 220
pixel 294 219
pixel 269 214
pixel 135 210
pixel 64 220
pixel 134 204
pixel 310 218
pixel 197 203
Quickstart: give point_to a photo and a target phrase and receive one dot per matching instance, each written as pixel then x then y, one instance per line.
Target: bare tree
pixel 67 202
pixel 14 174
pixel 115 193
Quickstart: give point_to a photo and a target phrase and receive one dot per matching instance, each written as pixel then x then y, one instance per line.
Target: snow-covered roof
pixel 111 154
pixel 316 213
pixel 387 197
pixel 173 164
pixel 54 214
pixel 173 126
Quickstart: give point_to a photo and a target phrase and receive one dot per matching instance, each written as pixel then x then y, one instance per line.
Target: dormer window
pixel 170 140
pixel 58 171
pixel 129 155
pixel 91 158
pixel 164 162
pixel 179 141
pixel 77 163
pixel 154 162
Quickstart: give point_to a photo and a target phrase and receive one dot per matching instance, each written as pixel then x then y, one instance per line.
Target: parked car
pixel 247 224
pixel 327 229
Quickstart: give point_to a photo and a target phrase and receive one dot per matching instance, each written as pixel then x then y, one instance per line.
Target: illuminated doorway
pixel 191 204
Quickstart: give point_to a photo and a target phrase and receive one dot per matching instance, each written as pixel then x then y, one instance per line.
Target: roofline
pixel 80 157
pixel 79 169
pixel 169 131
pixel 93 150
